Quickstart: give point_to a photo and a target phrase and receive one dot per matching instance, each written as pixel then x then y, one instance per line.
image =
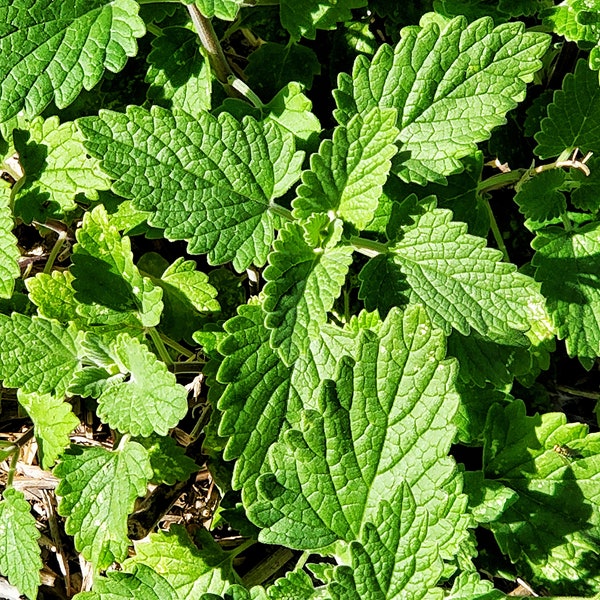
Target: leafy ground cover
pixel 299 300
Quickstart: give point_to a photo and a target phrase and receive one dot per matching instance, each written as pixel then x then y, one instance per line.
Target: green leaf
pixel 272 66
pixel 222 9
pixel 348 173
pixel 54 295
pixel 488 498
pixel 572 120
pixel 168 460
pixel 384 420
pixel 106 278
pixel 551 532
pixel 53 422
pixel 150 400
pixel 585 194
pixel 304 17
pixel 56 167
pixel 450 88
pixel 20 554
pixel 462 283
pixel 51 50
pixel 303 281
pixel 9 252
pixel 98 489
pixel 141 583
pixel 540 198
pixel 567 265
pixel 190 571
pixel 209 180
pixel 37 355
pixel 179 73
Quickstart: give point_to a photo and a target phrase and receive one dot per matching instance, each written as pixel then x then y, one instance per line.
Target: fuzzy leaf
pixel 51 50
pixel 552 530
pixel 98 489
pixel 168 460
pixel 37 355
pixel 192 284
pixel 573 119
pixel 568 264
pixel 150 400
pixel 540 198
pixel 9 252
pixel 56 170
pixel 585 195
pixel 209 180
pixel 106 278
pixel 348 173
pixel 54 295
pixel 384 420
pixel 20 554
pixel 190 571
pixel 450 88
pixel 53 422
pixel 222 9
pixel 462 283
pixel 303 281
pixel 382 285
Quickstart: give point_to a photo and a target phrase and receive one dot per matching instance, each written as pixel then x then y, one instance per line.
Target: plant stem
pixel 12 469
pixel 62 236
pixel 368 247
pixel 243 546
pixel 281 211
pixel 176 346
pixel 160 346
pixel 496 231
pixel 500 180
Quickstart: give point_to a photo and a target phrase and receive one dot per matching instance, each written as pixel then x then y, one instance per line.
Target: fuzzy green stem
pixel 12 469
pixel 500 180
pixel 160 346
pixel 16 449
pixel 368 247
pixel 566 221
pixel 62 236
pixel 281 211
pixel 243 546
pixel 496 232
pixel 188 367
pixel 176 346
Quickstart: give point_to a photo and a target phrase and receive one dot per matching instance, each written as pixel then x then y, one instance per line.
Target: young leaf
pixel 9 252
pixel 450 88
pixel 56 170
pixel 189 570
pixel 462 283
pixel 98 489
pixel 348 173
pixel 209 180
pixel 20 554
pixel 540 198
pixel 53 422
pixel 54 295
pixel 573 118
pixel 51 50
pixel 168 460
pixel 303 282
pixel 37 355
pixel 150 400
pixel 551 531
pixel 222 9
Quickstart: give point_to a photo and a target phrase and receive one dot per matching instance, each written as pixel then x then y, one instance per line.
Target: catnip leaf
pixel 141 583
pixel 53 295
pixel 179 74
pixel 567 264
pixel 56 167
pixel 98 489
pixel 20 554
pixel 168 460
pixel 37 355
pixel 51 50
pixel 53 422
pixel 209 180
pixel 190 571
pixel 303 281
pixel 9 252
pixel 450 89
pixel 346 176
pixel 584 195
pixel 540 198
pixel 572 120
pixel 149 400
pixel 222 9
pixel 551 531
pixel 106 280
pixel 463 283
pixel 386 418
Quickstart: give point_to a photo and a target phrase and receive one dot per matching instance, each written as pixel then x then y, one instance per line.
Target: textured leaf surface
pixel 348 173
pixel 222 9
pixel 568 265
pixel 20 554
pixel 573 119
pixel 51 50
pixel 150 400
pixel 37 355
pixel 385 420
pixel 98 489
pixel 9 253
pixel 463 283
pixel 168 460
pixel 107 279
pixel 450 88
pixel 540 198
pixel 53 295
pixel 190 571
pixel 53 422
pixel 552 530
pixel 382 285
pixel 206 180
pixel 304 280
pixel 56 170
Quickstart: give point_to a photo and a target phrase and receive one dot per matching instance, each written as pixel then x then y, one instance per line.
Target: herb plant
pixel 370 230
